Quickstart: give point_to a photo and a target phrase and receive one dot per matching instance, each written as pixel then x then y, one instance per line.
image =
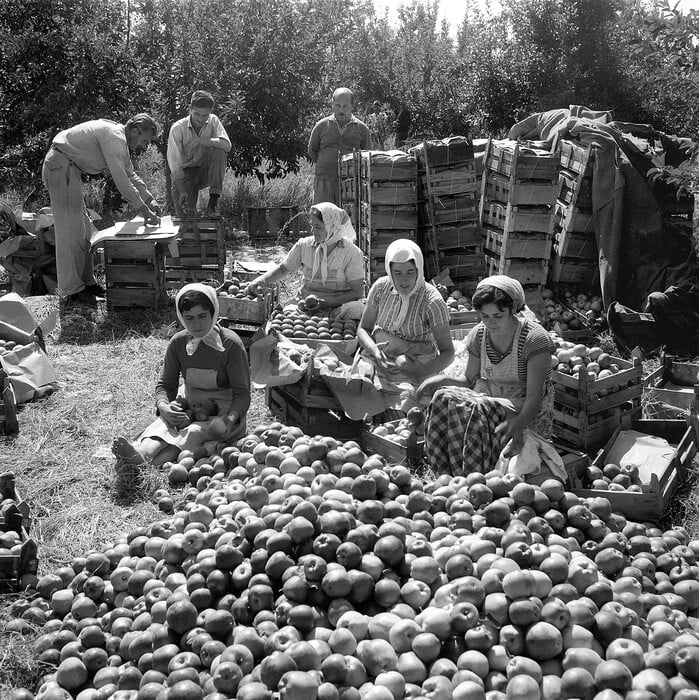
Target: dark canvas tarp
pixel 639 251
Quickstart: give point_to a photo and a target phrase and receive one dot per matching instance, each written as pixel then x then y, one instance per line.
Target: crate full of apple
pixel 571 312
pixel 460 309
pixel 240 304
pixel 592 390
pixel 299 325
pixel 390 439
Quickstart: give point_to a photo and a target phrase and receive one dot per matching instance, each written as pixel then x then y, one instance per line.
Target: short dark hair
pixel 492 295
pixel 202 98
pixel 194 298
pixel 143 122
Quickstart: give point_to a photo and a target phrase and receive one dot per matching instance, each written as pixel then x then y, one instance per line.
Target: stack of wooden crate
pixel 516 211
pixel 197 255
pixel 449 187
pixel 379 189
pixel 575 257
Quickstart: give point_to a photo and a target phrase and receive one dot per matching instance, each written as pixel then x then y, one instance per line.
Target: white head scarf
pixel 400 251
pixel 337 226
pixel 508 285
pixel 210 336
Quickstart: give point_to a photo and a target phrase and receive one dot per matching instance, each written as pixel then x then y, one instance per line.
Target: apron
pixel 502 380
pixel 199 384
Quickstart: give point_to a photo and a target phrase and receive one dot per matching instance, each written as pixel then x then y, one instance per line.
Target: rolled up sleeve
pixel 116 155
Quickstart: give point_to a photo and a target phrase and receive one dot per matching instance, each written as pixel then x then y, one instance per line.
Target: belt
pixel 69 159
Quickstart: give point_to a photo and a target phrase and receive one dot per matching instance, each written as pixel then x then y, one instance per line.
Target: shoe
pixel 96 289
pixel 81 297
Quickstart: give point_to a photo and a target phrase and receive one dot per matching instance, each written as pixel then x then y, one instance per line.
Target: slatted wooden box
pixel 461 235
pixel 652 504
pixel 575 244
pixel 573 218
pixel 8 406
pixel 16 515
pixel 674 383
pixel 313 421
pixel 508 217
pixel 449 180
pixel 524 162
pixel 572 189
pixel 576 157
pixel 199 253
pixel 268 223
pixel 389 193
pixel 450 151
pixel 575 272
pixel 520 192
pixel 402 216
pixel 393 452
pixel 451 209
pixel 134 273
pixel 254 311
pixel 517 245
pixel 586 412
pixel 15 564
pixel 531 272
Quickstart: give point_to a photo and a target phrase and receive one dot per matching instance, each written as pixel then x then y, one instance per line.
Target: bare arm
pixel 418 371
pixel 330 300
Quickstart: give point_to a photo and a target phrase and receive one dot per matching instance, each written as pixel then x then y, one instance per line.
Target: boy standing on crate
pixel 331 138
pixel 196 154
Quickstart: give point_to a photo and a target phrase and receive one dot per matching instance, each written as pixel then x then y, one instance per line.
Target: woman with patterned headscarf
pixel 405 326
pixel 505 390
pixel 331 263
pixel 212 404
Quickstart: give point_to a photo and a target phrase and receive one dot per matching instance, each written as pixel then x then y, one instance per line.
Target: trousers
pixel 209 174
pixel 71 223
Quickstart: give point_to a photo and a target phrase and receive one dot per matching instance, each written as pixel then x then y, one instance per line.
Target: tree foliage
pixel 273 64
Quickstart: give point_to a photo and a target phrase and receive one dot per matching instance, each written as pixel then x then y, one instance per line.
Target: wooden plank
pixel 130 250
pixel 128 275
pixel 518 245
pixel 389 193
pixel 452 209
pixel 387 217
pixel 520 192
pixel 508 217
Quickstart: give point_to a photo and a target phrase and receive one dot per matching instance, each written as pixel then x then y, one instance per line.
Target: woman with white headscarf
pixel 505 390
pixel 213 365
pixel 331 263
pixel 405 326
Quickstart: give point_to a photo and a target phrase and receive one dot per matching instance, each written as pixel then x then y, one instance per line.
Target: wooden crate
pixel 652 504
pixel 575 244
pixel 348 165
pixel 461 235
pixel 268 223
pixel 576 272
pixel 8 406
pixel 450 209
pixel 13 516
pixel 583 415
pixel 391 451
pixel 519 192
pixel 508 217
pixel 450 180
pixel 255 311
pixel 461 331
pixel 457 318
pixel 674 383
pixel 387 166
pixel 510 158
pixel 464 262
pixel 198 254
pixel 527 272
pixel 16 564
pixel 389 193
pixel 572 218
pixel 403 216
pixel 576 157
pixel 313 421
pixel 450 151
pixel 134 273
pixel 575 190
pixel 511 244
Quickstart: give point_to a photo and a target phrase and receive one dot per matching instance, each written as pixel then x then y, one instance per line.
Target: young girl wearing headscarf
pixel 213 365
pixel 405 326
pixel 331 263
pixel 505 390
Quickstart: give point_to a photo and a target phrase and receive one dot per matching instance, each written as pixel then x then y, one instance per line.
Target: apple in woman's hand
pixel 312 302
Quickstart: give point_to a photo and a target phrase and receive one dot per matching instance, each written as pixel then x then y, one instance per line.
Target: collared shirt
pixel 183 147
pixel 329 141
pixel 100 145
pixel 426 310
pixel 345 265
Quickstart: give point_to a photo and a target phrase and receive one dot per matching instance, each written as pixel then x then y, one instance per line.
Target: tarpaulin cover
pixel 639 251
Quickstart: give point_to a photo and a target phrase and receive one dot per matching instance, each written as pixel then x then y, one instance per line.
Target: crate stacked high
pixel 198 254
pixel 517 202
pixel 449 188
pixel 379 189
pixel 575 257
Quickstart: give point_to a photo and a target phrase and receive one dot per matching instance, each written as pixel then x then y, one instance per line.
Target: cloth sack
pixel 535 456
pixel 276 361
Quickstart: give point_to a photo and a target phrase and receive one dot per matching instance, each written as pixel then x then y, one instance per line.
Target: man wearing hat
pixel 92 148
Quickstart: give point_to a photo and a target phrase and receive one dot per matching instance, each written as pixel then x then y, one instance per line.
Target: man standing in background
pixel 331 138
pixel 92 148
pixel 196 154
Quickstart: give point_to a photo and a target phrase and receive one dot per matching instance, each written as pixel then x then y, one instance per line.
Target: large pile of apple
pixel 301 568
